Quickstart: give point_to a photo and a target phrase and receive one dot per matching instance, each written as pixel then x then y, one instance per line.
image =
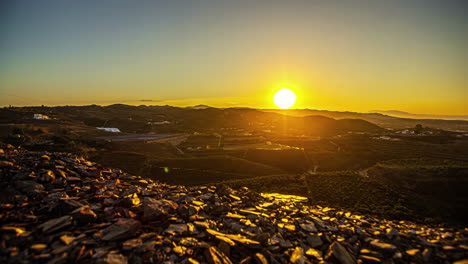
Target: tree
pixel 418 129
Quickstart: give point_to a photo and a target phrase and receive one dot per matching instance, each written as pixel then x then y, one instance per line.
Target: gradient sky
pixel 337 55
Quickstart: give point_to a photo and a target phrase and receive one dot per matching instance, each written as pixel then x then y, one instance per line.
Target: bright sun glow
pixel 284 98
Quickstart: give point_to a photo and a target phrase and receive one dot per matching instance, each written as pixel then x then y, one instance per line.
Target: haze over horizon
pixel 336 55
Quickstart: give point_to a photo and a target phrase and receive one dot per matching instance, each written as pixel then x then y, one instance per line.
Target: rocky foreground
pixel 60 208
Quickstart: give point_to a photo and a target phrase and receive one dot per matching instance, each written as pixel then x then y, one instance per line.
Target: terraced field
pixel 380 150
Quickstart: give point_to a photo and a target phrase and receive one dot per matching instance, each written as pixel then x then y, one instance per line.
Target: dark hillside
pixel 134 119
pixel 382 120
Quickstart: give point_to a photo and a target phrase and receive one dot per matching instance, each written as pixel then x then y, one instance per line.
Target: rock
pixel 180 250
pixel 67 239
pixel 38 247
pixel 187 210
pixel 392 232
pixel 91 214
pixel 157 209
pixel 412 252
pixel 132 243
pixel 29 187
pixel 224 190
pixel 192 261
pixel 315 253
pixel 17 231
pixel 189 242
pixel 225 248
pixel 84 215
pixel 214 256
pixel 369 259
pixel 124 228
pixel 260 259
pixel 206 196
pixel 114 258
pixel 314 240
pixel 309 227
pixel 176 229
pixel 368 252
pixel 55 197
pixel 217 209
pixel 201 225
pixel 235 237
pixel 6 164
pixel 381 246
pixel 339 254
pixel 297 256
pixel 47 176
pixel 61 174
pixel 426 254
pixel 24 175
pixel 286 244
pixel 73 180
pixel 262 237
pixel 56 224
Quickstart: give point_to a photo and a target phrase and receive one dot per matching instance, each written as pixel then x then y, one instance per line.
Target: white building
pixel 40 117
pixel 109 129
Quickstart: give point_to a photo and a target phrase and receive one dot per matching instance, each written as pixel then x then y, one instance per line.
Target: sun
pixel 284 98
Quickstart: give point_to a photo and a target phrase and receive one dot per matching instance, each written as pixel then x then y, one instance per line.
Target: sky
pixel 346 55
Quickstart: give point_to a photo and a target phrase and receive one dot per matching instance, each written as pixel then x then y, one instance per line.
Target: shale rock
pixel 60 208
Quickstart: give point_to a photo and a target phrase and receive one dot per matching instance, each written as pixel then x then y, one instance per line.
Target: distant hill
pixel 118 115
pixel 200 117
pixel 133 119
pixel 257 119
pixel 386 120
pixel 403 114
pixel 200 106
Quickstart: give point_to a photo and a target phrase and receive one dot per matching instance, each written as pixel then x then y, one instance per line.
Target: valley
pixel 335 162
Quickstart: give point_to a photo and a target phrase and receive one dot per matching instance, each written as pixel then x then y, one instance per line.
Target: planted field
pixel 131 162
pixel 350 190
pixel 291 160
pixel 220 163
pixel 185 176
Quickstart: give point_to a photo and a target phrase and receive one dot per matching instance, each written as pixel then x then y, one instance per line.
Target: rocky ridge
pixel 60 208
